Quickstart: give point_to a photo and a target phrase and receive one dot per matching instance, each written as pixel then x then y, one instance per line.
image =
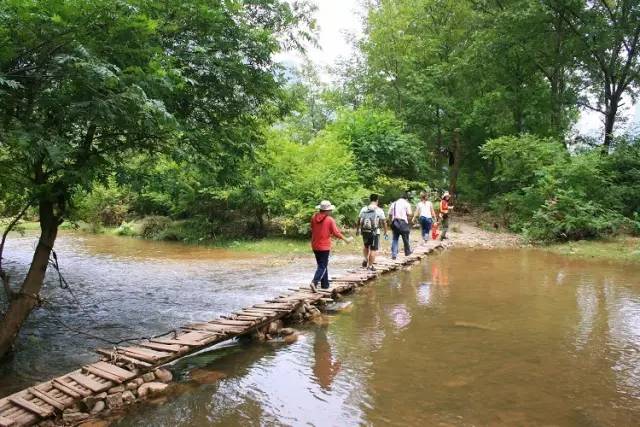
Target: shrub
pixel 106 204
pixel 126 229
pixel 569 217
pixel 152 227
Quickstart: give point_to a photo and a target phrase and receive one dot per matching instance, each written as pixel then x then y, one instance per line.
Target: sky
pixel 337 18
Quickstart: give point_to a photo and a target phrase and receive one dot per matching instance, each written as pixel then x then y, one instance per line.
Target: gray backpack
pixel 369 221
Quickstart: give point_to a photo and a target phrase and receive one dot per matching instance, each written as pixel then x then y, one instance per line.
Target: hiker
pixel 323 226
pixel 444 213
pixel 369 221
pixel 399 213
pixel 425 214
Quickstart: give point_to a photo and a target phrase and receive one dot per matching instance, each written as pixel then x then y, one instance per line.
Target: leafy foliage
pixel 295 177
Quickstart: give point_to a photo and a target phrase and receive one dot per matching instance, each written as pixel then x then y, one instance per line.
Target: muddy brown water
pixel 508 337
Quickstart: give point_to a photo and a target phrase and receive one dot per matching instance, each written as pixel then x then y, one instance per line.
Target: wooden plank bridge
pixel 123 363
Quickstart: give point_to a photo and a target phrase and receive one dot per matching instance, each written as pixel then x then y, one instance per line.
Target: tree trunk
pixel 454 162
pixel 609 121
pixel 22 302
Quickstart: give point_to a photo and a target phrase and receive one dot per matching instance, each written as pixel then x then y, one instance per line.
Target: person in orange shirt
pixel 444 213
pixel 323 227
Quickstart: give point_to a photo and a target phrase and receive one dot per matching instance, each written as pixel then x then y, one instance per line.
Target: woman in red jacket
pixel 322 228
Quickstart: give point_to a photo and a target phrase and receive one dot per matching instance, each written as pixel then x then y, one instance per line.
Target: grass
pixel 273 245
pixel 620 249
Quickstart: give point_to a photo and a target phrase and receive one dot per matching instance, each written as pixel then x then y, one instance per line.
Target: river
pixel 468 337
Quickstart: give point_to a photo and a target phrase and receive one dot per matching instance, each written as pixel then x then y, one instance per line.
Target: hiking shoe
pixel 313 287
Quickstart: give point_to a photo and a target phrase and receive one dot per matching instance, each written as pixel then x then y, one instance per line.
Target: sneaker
pixel 364 263
pixel 313 287
pixel 393 258
pixel 371 268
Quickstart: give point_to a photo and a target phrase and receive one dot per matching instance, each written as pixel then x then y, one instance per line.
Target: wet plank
pixel 114 369
pixel 122 357
pixel 69 389
pixel 164 347
pixel 31 407
pixel 89 383
pixel 47 398
pixel 245 323
pixel 6 422
pixel 102 374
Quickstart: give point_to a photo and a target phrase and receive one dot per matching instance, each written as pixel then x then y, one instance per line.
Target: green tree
pixel 380 145
pixel 608 33
pixel 85 84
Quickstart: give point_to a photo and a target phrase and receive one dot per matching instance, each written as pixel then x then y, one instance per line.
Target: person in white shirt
pixel 370 220
pixel 425 214
pixel 399 213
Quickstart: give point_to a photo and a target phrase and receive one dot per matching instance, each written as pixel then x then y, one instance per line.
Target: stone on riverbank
pixel 114 400
pixel 148 377
pixel 90 401
pixel 72 417
pixel 98 407
pixel 128 397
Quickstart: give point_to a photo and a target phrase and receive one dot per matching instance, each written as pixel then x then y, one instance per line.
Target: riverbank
pixel 465 232
pixel 625 249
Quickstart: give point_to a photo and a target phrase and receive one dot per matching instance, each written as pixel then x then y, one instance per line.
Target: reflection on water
pixel 470 337
pixel 325 368
pixel 495 338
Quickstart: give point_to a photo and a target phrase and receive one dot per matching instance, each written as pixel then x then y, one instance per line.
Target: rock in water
pixel 473 326
pixel 291 338
pixel 287 331
pixel 150 389
pixel 204 376
pixel 163 375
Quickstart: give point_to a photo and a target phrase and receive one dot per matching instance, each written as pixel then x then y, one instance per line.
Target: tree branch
pixel 588 106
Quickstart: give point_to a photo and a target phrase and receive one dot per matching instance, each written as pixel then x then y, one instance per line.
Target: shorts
pixel 371 241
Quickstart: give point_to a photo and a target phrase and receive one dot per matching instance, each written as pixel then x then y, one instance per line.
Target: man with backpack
pixel 369 222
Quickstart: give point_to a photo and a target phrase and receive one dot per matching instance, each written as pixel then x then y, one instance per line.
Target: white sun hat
pixel 325 205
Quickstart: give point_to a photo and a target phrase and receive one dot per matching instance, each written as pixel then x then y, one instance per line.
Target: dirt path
pixel 462 233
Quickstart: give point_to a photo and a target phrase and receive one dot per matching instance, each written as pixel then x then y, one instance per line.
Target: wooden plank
pixel 47 398
pixel 252 318
pixel 246 323
pixel 6 422
pixel 220 330
pixel 254 314
pixel 31 407
pixel 69 389
pixel 102 374
pixel 125 358
pixel 89 383
pixel 145 358
pixel 114 369
pixel 276 308
pixel 269 313
pixel 155 354
pixel 164 347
